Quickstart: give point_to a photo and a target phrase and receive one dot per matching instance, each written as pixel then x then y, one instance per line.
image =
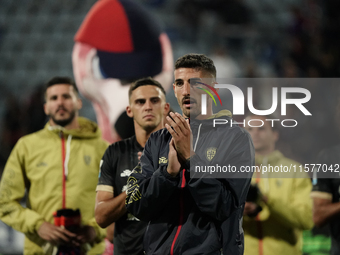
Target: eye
pixel 140 101
pixel 179 83
pixel 195 81
pixel 155 100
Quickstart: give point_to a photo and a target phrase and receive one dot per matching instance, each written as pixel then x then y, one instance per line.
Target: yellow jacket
pixel 36 164
pixel 277 229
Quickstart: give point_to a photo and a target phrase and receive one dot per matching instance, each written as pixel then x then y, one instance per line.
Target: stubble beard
pixel 190 113
pixel 149 128
pixel 64 122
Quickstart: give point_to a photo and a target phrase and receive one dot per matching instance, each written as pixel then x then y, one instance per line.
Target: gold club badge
pixel 211 153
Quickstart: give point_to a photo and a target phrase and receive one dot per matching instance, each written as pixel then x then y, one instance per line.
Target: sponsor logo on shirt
pixel 163 160
pixel 126 173
pixel 41 164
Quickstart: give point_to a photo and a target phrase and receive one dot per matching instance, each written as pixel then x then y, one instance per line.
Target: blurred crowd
pixel 244 42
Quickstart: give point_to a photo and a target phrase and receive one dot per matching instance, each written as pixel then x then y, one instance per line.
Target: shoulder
pixel 236 133
pixel 159 136
pixel 35 138
pixel 287 161
pixel 121 146
pixel 102 144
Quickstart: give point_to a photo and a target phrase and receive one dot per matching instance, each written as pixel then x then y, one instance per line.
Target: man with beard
pixel 190 212
pixel 147 106
pixel 58 168
pixel 278 208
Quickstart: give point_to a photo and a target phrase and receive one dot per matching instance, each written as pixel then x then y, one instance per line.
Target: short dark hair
pixel 144 82
pixel 61 80
pixel 196 61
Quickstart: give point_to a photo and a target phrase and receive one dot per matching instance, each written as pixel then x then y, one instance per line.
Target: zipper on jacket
pixel 63 156
pixel 181 213
pixel 259 223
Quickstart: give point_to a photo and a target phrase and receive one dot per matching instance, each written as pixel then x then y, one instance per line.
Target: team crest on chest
pixel 210 154
pixel 87 159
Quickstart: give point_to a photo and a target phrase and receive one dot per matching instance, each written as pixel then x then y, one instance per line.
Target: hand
pixel 249 208
pixel 139 155
pixel 174 167
pixel 181 134
pixel 86 234
pixel 57 235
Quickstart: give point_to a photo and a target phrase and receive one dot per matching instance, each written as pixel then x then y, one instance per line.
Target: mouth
pixel 149 116
pixel 188 103
pixel 61 111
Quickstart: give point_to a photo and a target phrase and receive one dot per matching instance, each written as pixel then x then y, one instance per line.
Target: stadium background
pixel 245 38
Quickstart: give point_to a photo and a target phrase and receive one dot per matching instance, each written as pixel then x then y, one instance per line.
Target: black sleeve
pixel 149 186
pixel 107 170
pixel 219 198
pixel 322 185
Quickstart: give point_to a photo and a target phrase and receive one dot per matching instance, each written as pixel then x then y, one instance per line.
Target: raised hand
pixel 181 135
pixel 174 166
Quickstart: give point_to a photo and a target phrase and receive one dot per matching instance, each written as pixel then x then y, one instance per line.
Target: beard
pixel 191 113
pixel 64 122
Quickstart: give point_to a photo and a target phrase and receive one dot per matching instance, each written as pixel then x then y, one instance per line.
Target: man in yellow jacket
pixel 58 167
pixel 278 209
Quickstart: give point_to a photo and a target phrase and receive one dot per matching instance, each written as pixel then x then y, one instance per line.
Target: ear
pixel 129 111
pixel 174 88
pixel 79 103
pixel 214 83
pixel 45 109
pixel 166 109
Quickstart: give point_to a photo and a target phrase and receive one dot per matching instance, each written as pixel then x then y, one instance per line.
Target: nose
pixel 254 132
pixel 60 100
pixel 148 105
pixel 186 89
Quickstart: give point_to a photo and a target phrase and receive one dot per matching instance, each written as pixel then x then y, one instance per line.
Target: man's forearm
pixel 110 210
pixel 325 212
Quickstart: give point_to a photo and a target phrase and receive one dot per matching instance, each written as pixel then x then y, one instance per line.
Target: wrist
pixel 187 160
pixel 173 174
pixel 169 175
pixel 38 224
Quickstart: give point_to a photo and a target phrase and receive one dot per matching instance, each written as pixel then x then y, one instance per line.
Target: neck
pixel 203 117
pixel 264 152
pixel 142 135
pixel 72 125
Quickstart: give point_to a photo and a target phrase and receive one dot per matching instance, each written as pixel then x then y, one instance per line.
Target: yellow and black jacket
pixel 36 165
pixel 277 229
